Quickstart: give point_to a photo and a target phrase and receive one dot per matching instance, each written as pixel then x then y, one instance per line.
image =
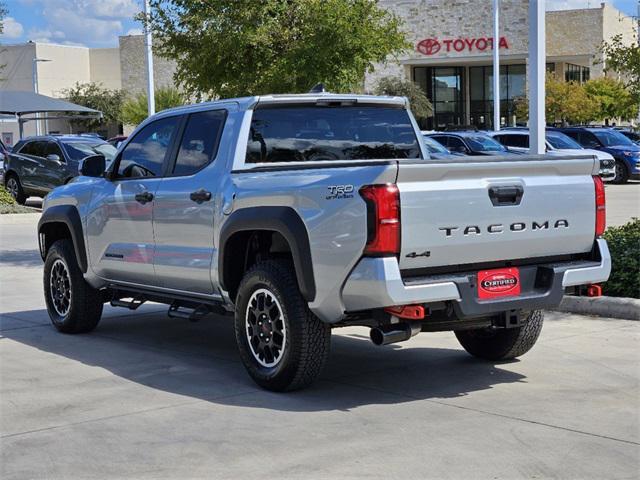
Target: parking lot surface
pixel 146 396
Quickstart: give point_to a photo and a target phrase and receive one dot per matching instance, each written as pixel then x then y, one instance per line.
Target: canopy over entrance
pixel 26 106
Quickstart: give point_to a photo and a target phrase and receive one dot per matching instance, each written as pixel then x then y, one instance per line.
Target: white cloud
pixel 85 22
pixel 115 8
pixel 573 4
pixel 134 31
pixel 11 28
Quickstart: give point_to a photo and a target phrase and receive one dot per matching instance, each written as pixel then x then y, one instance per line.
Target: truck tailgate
pixel 472 210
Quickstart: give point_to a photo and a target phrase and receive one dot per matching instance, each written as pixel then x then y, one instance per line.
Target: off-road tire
pixel 307 341
pixel 15 189
pixel 502 344
pixel 621 173
pixel 85 302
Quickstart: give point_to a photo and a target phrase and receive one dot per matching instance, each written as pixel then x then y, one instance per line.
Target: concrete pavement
pixel 145 396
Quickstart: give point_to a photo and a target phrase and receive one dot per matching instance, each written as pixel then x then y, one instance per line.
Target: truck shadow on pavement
pixel 20 258
pixel 200 360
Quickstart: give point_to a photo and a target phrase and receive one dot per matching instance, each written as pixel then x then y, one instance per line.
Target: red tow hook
pixel 407 312
pixel 594 291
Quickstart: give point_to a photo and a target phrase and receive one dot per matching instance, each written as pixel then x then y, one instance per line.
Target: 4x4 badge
pixel 426 253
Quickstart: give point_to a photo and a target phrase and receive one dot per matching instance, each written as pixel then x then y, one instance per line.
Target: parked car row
pixel 619 156
pixel 37 165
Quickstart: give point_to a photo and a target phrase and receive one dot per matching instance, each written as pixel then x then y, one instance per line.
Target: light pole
pixel 496 65
pixel 151 101
pixel 34 68
pixel 537 70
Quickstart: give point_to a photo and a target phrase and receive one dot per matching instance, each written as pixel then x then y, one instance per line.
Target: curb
pixel 614 307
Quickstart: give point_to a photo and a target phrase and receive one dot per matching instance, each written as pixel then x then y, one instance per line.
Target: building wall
pixel 17 73
pixel 133 69
pixel 68 65
pixel 454 19
pixel 104 67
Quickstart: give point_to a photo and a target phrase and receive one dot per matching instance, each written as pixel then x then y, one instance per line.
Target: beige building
pixel 451 59
pixel 453 46
pixel 56 68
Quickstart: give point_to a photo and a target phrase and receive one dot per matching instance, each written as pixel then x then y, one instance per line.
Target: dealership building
pixel 451 59
pixel 453 47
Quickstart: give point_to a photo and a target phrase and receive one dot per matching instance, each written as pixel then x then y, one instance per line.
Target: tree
pixel 134 110
pixel 565 102
pixel 612 98
pixel 248 47
pixel 420 104
pixel 94 95
pixel 624 60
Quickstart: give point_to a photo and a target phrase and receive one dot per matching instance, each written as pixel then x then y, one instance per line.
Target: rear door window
pixel 36 149
pixel 321 133
pixel 200 141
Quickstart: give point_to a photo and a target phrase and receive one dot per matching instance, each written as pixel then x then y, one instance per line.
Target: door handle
pixel 200 196
pixel 501 196
pixel 144 197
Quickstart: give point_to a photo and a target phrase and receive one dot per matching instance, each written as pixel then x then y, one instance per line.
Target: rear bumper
pixel 376 283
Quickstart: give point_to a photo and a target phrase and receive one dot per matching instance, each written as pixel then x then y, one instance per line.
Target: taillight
pixel 601 212
pixel 383 219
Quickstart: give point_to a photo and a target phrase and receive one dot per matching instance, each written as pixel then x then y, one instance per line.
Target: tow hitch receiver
pixel 407 312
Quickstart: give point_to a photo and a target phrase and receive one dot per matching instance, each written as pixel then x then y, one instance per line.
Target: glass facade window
pixel 445 89
pixel 512 86
pixel 576 73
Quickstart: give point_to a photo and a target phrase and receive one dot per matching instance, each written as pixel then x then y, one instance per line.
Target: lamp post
pixel 537 70
pixel 496 65
pixel 34 68
pixel 151 101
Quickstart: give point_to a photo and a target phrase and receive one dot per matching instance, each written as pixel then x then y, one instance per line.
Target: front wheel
pixel 282 344
pixel 73 305
pixel 14 187
pixel 502 344
pixel 621 175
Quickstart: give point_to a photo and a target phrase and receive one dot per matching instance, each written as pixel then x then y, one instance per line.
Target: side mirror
pixel 53 157
pixel 93 166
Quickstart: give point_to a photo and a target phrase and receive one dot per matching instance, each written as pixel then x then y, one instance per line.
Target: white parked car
pixel 557 143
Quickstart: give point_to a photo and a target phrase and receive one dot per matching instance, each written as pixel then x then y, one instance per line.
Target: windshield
pixel 317 133
pixel 562 142
pixel 80 150
pixel 481 143
pixel 611 138
pixel 433 146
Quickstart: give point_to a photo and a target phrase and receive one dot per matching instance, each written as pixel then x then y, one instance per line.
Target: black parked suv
pixel 37 165
pixel 470 143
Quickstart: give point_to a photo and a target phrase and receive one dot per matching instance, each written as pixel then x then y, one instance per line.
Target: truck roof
pixel 247 103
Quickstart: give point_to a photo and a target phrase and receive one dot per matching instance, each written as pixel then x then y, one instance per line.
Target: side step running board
pixel 191 314
pixel 133 304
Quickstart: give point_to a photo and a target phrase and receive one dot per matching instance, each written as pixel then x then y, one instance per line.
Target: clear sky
pixel 98 23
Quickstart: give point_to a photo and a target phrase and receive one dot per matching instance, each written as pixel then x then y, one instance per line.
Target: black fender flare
pixel 67 214
pixel 287 222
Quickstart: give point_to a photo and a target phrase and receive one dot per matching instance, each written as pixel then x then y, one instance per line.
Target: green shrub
pixel 624 245
pixel 5 197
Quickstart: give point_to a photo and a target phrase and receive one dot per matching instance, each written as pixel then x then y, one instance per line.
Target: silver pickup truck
pixel 298 214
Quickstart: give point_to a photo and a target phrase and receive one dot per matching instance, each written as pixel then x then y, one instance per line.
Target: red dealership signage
pixel 432 46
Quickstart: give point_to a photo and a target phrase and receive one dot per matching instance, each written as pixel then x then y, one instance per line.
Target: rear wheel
pixel 14 187
pixel 282 344
pixel 502 344
pixel 73 305
pixel 621 174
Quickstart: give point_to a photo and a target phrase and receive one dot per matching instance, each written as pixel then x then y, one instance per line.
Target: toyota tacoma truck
pixel 298 214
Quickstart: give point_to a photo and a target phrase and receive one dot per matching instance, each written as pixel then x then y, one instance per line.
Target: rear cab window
pixel 307 133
